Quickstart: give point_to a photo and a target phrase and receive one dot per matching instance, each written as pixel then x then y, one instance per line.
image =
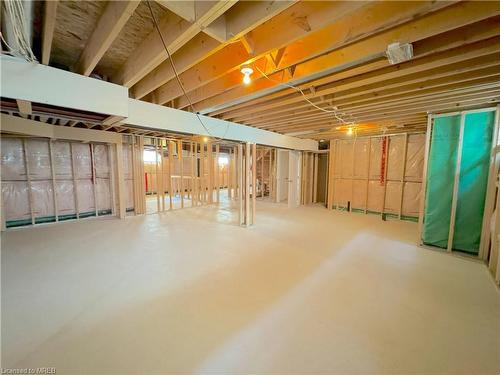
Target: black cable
pixel 178 79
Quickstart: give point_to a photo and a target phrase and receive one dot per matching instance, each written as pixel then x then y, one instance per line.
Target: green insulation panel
pixel 472 184
pixel 442 163
pixel 474 168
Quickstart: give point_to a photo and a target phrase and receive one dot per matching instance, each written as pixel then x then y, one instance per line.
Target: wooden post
pixel 120 180
pixel 28 178
pixel 254 180
pixel 262 174
pixel 388 142
pixel 240 169
pixel 270 177
pixel 405 152
pixel 133 155
pixel 368 174
pixel 141 175
pixel 352 172
pixel 112 178
pixel 73 172
pixel 229 174
pixel 192 151
pixel 315 178
pixel 157 174
pixel 171 146
pixel 210 173
pixel 54 185
pixel 451 231
pixel 94 179
pixel 162 170
pixel 217 173
pixel 247 183
pixel 491 189
pixel 424 179
pixel 181 167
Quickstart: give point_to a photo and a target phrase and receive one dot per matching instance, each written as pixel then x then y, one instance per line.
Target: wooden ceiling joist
pixel 115 15
pixel 334 51
pixel 381 93
pixel 454 38
pixel 446 19
pixel 236 24
pixel 49 23
pixel 412 98
pixel 176 32
pixel 398 74
pixel 321 12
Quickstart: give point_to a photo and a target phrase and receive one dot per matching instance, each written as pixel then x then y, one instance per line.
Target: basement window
pixel 223 160
pixel 150 156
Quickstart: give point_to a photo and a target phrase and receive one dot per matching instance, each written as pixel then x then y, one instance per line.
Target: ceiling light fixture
pixel 246 71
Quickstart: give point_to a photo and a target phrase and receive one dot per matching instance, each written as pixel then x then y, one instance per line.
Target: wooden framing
pixel 483 252
pixel 28 179
pixel 403 172
pixel 107 29
pixel 54 184
pixel 217 174
pixel 49 23
pixel 241 171
pixel 335 156
pixel 254 180
pixel 171 192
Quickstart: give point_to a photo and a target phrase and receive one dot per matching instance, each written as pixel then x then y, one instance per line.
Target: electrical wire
pixel 334 112
pixel 179 80
pixel 15 11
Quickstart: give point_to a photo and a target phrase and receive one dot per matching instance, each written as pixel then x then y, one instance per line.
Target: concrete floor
pixel 304 291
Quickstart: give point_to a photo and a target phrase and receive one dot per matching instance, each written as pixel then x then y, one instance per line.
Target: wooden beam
pixel 356 53
pixel 184 9
pixel 390 75
pixel 249 44
pixel 218 29
pixel 319 14
pixel 240 19
pixel 147 115
pixel 386 105
pixel 197 49
pixel 462 82
pixel 49 24
pixel 455 38
pixel 176 32
pixel 151 52
pixel 24 107
pixel 108 27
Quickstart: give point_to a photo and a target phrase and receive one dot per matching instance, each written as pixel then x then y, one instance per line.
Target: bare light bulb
pixel 246 71
pixel 349 131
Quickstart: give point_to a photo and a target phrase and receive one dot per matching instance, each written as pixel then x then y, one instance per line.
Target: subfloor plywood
pixel 304 291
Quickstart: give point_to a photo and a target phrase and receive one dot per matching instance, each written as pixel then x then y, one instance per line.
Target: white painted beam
pixel 148 115
pixel 38 83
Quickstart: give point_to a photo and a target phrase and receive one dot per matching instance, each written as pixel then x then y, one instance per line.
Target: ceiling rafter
pixel 176 32
pixel 447 19
pixel 237 24
pixel 49 24
pixel 111 22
